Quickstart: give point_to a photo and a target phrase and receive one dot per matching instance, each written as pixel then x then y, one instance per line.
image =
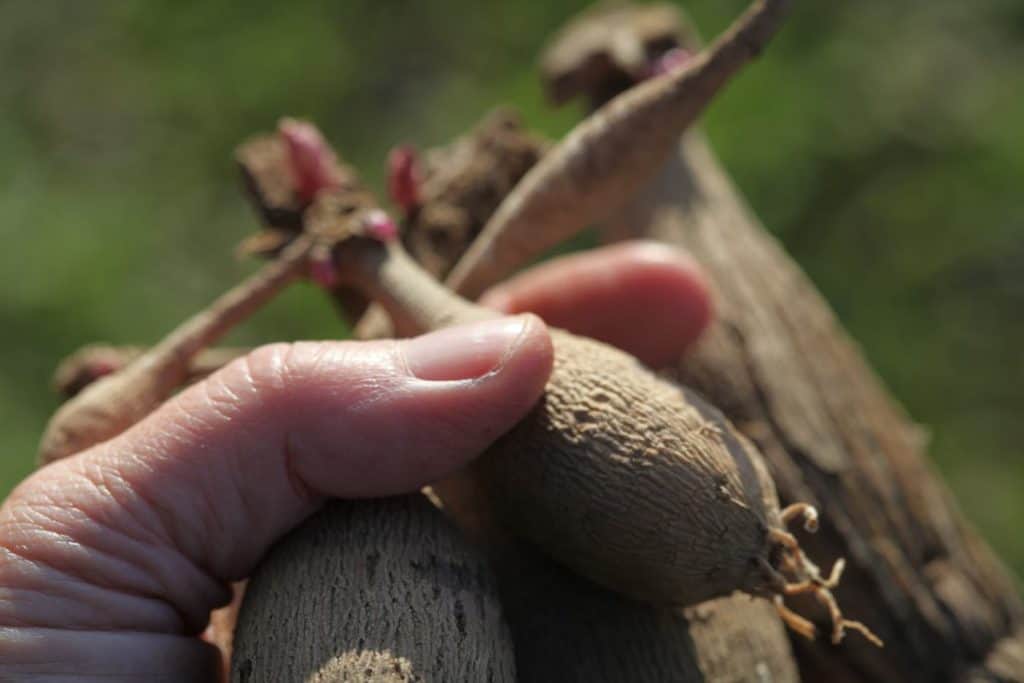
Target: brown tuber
pixel 395 593
pixel 568 630
pixel 629 479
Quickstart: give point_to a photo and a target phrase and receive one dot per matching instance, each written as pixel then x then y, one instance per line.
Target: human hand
pixel 112 560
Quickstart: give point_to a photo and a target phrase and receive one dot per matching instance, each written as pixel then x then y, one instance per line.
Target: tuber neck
pixel 414 300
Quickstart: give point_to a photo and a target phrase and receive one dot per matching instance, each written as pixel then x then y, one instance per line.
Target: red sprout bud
pixel 669 61
pixel 105 366
pixel 404 178
pixel 379 226
pixel 322 270
pixel 312 161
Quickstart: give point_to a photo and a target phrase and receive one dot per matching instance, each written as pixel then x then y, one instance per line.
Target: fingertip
pixel 647 298
pixel 451 394
pixel 678 277
pixel 466 351
pixel 498 299
pixel 526 367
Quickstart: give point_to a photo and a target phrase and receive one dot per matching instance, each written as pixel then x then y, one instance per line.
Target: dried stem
pixel 378 266
pixel 235 305
pixel 609 155
pixel 88 364
pixel 109 406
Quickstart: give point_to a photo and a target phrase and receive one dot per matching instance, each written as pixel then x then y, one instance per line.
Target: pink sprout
pixel 379 226
pixel 105 366
pixel 403 177
pixel 669 61
pixel 312 161
pixel 322 270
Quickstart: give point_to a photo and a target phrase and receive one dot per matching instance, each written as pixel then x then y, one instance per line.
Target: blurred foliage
pixel 883 142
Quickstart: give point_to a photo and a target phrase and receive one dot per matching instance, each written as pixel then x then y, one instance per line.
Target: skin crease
pixel 112 560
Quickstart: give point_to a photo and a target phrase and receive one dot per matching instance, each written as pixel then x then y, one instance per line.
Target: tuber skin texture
pixel 628 479
pixel 685 507
pixel 569 630
pixel 396 594
pixel 110 405
pixel 608 156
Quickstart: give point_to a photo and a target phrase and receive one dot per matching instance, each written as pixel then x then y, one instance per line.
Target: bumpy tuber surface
pixel 395 594
pixel 110 405
pixel 628 479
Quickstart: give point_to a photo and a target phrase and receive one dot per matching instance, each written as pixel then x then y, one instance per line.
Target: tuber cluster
pixel 627 478
pixel 618 474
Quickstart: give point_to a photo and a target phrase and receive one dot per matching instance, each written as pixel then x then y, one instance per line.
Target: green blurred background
pixel 883 142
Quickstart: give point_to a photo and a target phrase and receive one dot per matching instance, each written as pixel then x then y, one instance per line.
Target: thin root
pixel 800 588
pixel 836 574
pixel 785 539
pixel 805 510
pixel 794 621
pixel 839 623
pixel 864 631
pixel 811 581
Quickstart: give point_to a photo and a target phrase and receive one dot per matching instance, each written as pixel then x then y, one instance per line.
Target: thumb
pixel 154 522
